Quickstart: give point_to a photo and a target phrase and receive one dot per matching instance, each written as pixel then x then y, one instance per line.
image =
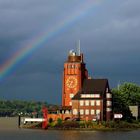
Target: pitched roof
pixel 92 86
pixel 77 96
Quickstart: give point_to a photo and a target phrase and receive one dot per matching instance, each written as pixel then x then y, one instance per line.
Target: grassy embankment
pixel 82 125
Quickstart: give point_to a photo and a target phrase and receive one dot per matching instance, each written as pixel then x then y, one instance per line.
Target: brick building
pixel 93 101
pixel 90 99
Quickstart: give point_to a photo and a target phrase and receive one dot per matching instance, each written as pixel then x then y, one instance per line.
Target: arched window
pixel 67 112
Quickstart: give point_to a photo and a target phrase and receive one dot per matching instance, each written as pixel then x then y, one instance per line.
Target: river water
pixel 10 131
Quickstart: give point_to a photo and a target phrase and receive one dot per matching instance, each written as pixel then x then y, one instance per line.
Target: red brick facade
pixel 93 108
pixel 73 75
pixel 89 99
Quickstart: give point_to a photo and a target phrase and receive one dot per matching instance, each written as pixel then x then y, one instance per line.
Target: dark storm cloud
pixel 110 39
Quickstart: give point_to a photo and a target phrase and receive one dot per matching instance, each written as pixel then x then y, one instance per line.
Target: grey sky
pixel 110 41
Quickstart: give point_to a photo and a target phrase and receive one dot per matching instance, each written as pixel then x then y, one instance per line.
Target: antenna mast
pixel 78 48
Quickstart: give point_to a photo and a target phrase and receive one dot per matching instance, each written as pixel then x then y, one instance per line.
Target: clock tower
pixel 73 76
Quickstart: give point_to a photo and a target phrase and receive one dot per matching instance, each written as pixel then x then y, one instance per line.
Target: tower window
pixel 72 66
pixel 71 95
pixel 69 66
pixel 70 103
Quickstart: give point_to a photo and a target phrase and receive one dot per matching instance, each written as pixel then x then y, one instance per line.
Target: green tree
pixel 130 93
pixel 59 121
pixel 119 105
pixel 124 96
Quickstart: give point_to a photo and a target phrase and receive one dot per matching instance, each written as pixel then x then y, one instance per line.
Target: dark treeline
pixel 19 107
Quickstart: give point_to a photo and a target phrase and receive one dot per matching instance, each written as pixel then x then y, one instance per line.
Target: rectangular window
pixel 87 112
pixel 75 112
pixel 92 111
pixel 92 102
pixel 96 95
pixel 86 103
pixel 81 111
pixel 73 66
pixel 97 111
pixel 109 103
pixel 108 95
pixel 98 103
pixel 81 103
pixel 83 95
pixel 88 96
pixel 108 109
pixel 69 66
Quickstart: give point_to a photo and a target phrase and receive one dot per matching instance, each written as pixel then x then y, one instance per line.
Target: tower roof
pixel 74 57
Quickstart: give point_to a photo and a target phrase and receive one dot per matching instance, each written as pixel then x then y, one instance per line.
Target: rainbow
pixel 24 52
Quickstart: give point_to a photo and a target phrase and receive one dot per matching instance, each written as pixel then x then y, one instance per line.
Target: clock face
pixel 71 82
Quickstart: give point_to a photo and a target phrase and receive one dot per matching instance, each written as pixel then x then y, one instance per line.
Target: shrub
pixel 59 121
pixel 89 124
pixel 52 124
pixel 82 124
pixel 120 124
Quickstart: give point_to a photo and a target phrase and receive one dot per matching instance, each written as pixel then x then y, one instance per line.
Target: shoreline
pixel 12 123
pixel 85 129
pixel 104 129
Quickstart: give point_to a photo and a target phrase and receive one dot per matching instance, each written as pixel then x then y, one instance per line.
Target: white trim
pixel 33 120
pixel 90 95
